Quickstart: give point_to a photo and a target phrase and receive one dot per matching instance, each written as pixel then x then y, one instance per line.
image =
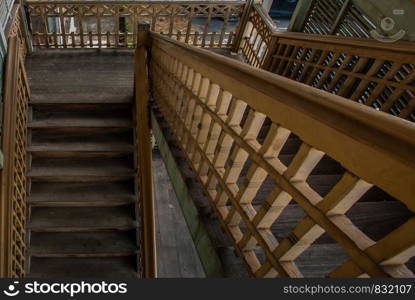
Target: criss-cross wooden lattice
pixel 368 72
pixel 377 74
pixel 13 143
pixel 235 124
pixel 79 24
pixel 257 37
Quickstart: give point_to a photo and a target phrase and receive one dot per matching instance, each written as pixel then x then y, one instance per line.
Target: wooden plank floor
pixel 177 256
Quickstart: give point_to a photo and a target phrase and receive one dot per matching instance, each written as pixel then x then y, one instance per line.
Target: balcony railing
pixel 233 121
pixel 112 24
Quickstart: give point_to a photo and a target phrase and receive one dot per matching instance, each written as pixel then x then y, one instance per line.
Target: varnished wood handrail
pixel 144 159
pixel 376 132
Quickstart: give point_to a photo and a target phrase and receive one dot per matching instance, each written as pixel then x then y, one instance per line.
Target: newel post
pixel 144 157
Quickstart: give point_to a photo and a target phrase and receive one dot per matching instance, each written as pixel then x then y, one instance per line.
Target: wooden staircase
pixel 82 201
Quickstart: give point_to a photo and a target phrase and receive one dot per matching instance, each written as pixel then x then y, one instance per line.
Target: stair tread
pixel 45 137
pixel 114 267
pixel 82 218
pixel 55 244
pixel 81 194
pixel 80 146
pixel 58 167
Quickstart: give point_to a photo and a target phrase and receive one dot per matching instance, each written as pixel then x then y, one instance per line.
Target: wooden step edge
pixel 105 203
pixel 133 225
pixel 33 253
pixel 50 104
pixel 56 126
pixel 80 178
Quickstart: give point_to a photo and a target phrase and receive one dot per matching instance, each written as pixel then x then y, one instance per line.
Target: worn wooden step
pixel 80 149
pixel 76 219
pixel 81 169
pixel 80 120
pixel 76 77
pixel 52 194
pixel 109 267
pixel 83 244
pixel 45 137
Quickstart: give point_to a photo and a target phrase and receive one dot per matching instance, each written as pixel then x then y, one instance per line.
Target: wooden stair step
pixel 103 138
pixel 75 219
pixel 375 219
pixel 108 267
pixel 83 244
pixel 80 149
pixel 81 169
pixel 52 194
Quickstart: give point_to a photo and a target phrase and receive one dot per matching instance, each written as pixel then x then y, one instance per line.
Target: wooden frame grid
pixel 216 118
pixel 13 175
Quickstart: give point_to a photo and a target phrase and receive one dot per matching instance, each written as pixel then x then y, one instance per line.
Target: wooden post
pixel 144 159
pixel 266 65
pixel 242 25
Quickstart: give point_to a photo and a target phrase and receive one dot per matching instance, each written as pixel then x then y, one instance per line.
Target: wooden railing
pixel 13 175
pixel 377 74
pixel 338 17
pixel 112 24
pixel 233 121
pixel 148 259
pixel 13 146
pixel 17 27
pixel 257 39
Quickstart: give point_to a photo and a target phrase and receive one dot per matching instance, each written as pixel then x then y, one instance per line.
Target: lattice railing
pixel 338 17
pixel 112 24
pixel 370 72
pixel 236 124
pixel 13 174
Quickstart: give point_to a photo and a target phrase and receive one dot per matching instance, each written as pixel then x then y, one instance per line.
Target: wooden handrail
pixel 144 156
pixel 216 107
